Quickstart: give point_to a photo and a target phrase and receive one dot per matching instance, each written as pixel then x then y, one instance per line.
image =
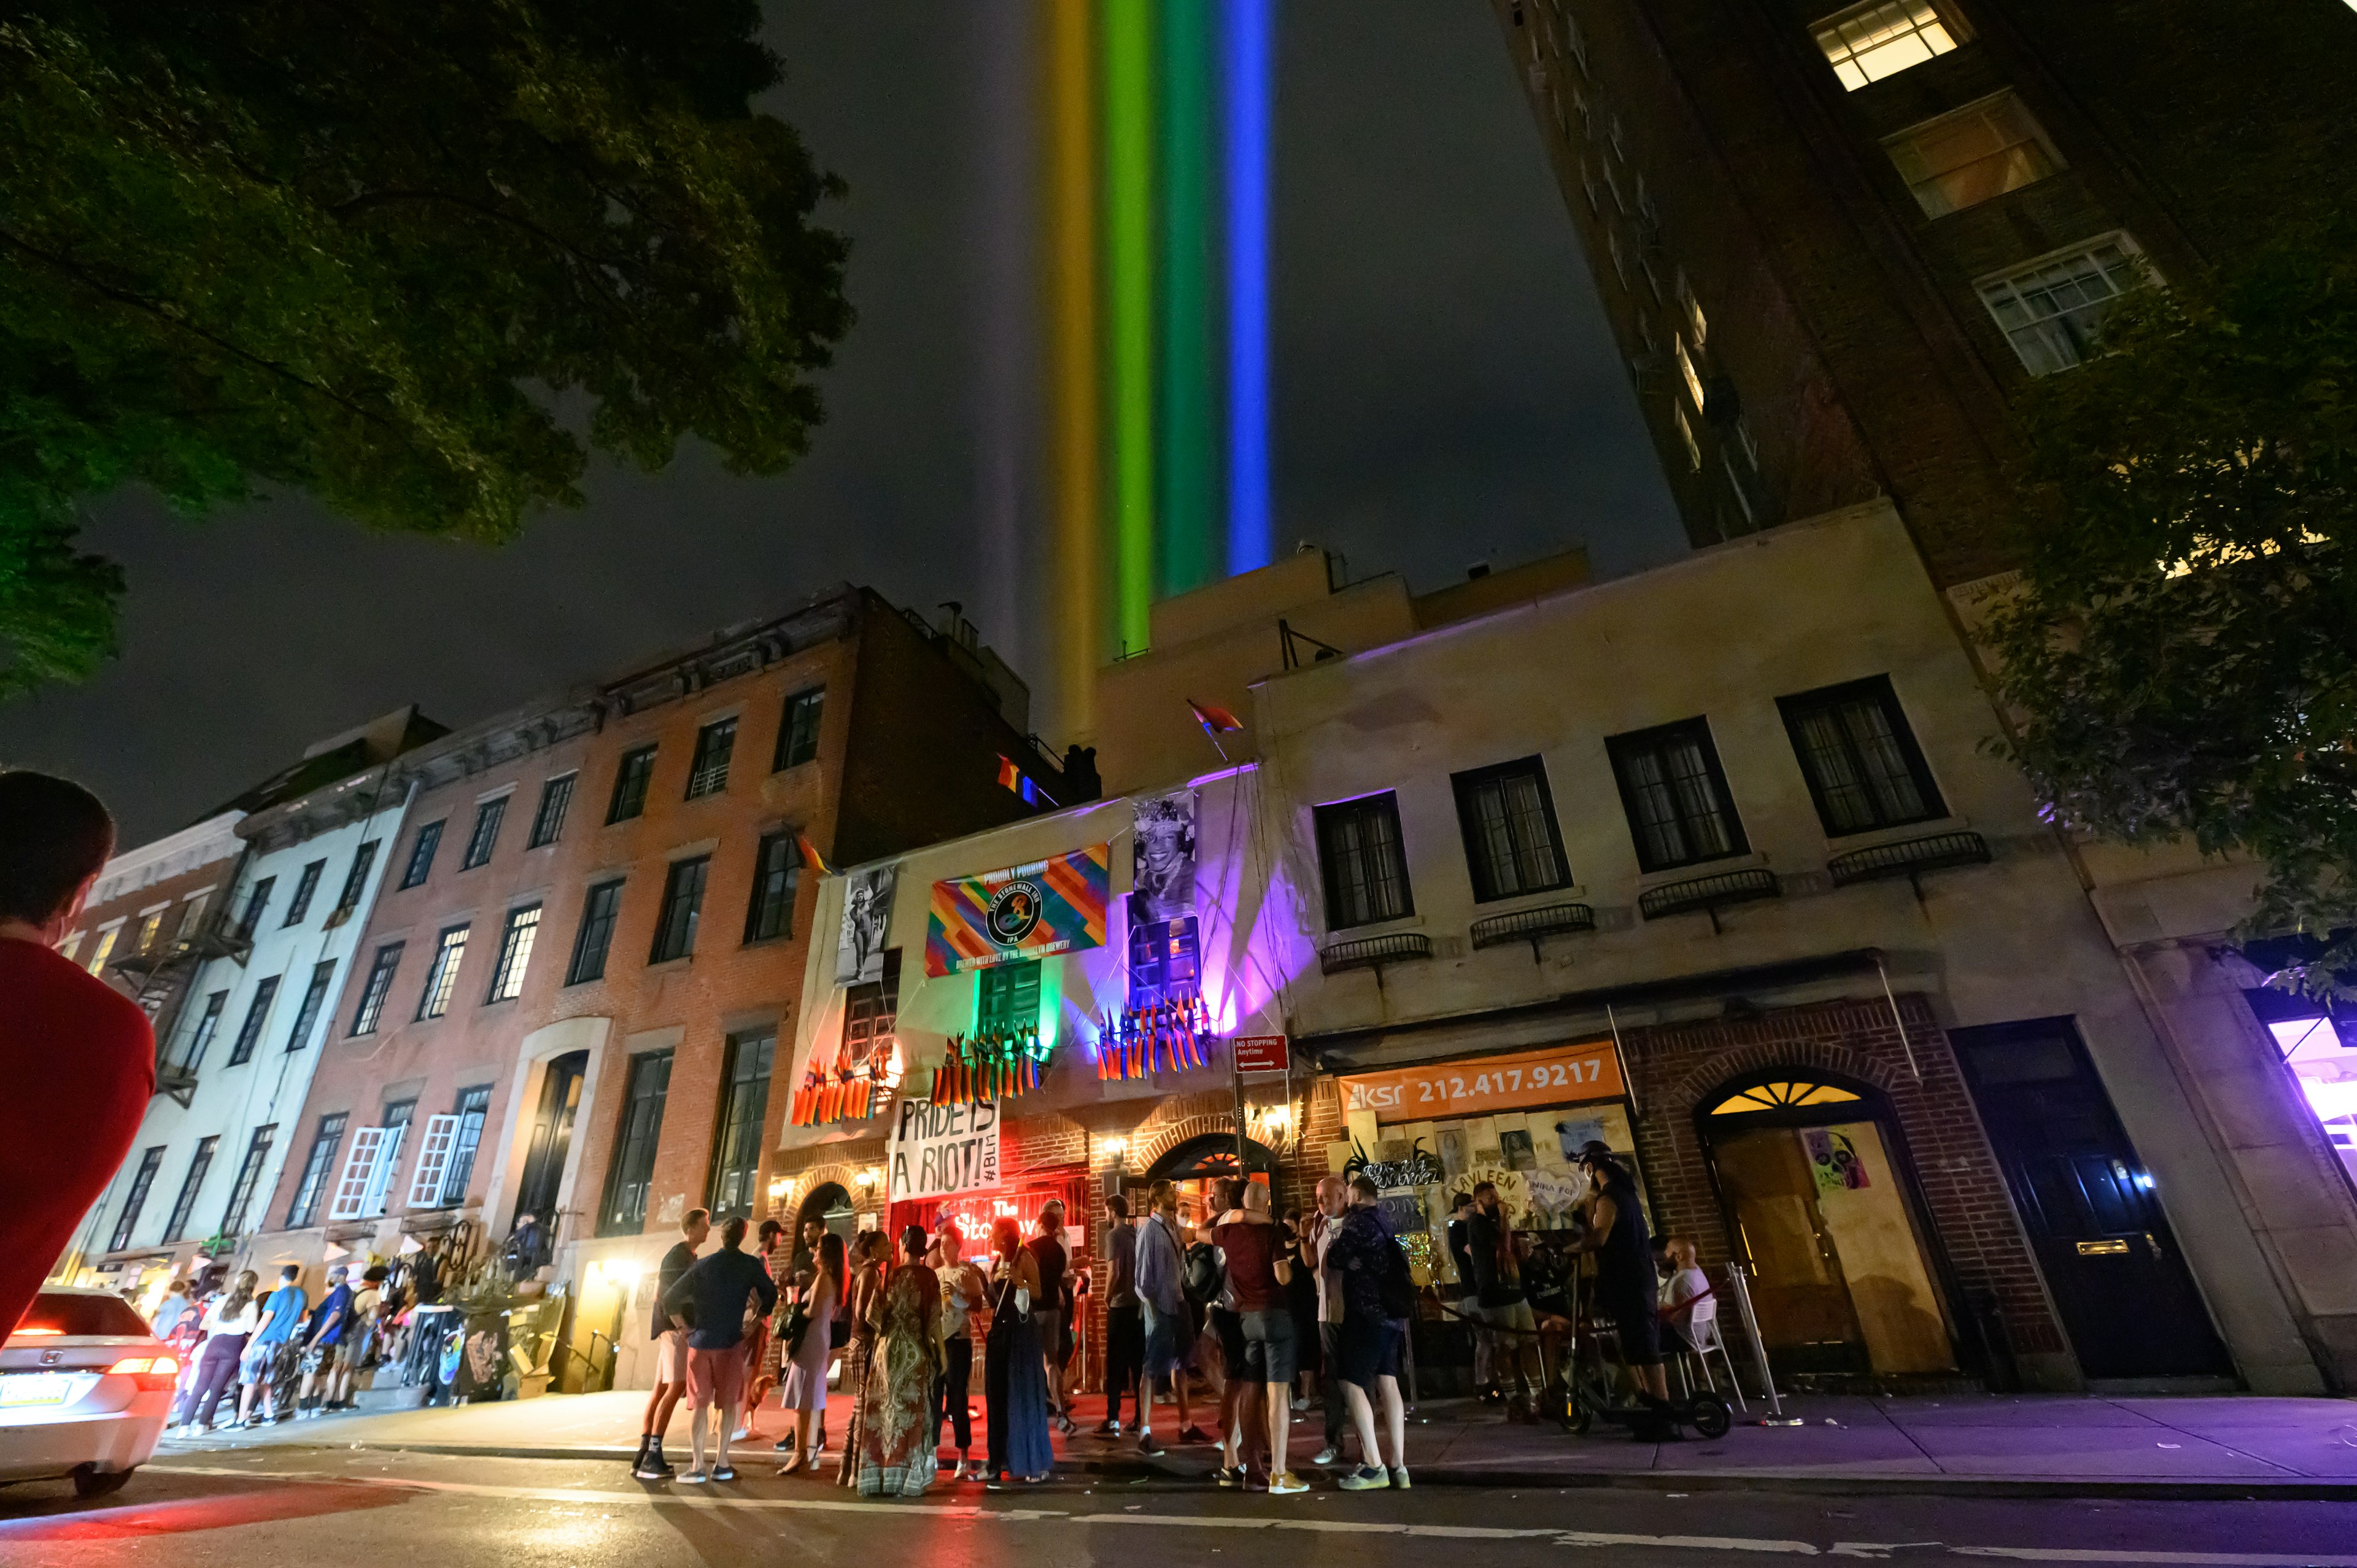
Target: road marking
pixel 1555 1535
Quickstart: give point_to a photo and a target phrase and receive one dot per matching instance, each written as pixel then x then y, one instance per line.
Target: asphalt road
pixel 313 1507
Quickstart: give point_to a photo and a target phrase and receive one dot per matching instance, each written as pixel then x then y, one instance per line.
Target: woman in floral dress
pixel 897 1455
pixel 861 1301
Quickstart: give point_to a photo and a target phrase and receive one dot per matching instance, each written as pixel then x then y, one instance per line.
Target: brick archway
pixel 1172 1134
pixel 1709 1079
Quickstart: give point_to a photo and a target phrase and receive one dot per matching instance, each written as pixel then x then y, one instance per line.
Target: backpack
pixel 1205 1276
pixel 1395 1284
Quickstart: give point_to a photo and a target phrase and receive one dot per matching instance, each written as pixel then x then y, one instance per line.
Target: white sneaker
pixel 1326 1457
pixel 696 1477
pixel 1300 1403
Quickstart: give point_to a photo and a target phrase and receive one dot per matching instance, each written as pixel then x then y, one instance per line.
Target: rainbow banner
pixel 1025 911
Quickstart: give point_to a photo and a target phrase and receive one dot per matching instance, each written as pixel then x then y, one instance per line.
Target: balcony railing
pixel 1530 925
pixel 1710 894
pixel 1375 952
pixel 1910 858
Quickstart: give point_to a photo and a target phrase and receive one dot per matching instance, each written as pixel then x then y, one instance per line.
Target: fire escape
pixel 160 976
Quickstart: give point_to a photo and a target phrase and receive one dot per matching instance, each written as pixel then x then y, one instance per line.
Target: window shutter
pixel 388 1156
pixel 359 1170
pixel 433 1162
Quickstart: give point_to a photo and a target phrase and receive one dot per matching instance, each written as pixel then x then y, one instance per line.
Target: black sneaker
pixel 651 1465
pixel 1108 1429
pixel 1147 1446
pixel 724 1473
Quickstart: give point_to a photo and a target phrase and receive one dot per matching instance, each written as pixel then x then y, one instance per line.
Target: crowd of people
pixel 1272 1311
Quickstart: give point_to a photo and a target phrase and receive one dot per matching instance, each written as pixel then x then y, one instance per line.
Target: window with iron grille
pixel 474 1105
pixel 207 1024
pixel 1006 997
pixel 1972 154
pixel 548 820
pixel 682 901
pixel 185 1206
pixel 421 854
pixel 631 781
pixel 486 836
pixel 304 886
pixel 1512 843
pixel 798 734
pixel 372 995
pixel 1882 37
pixel 1364 863
pixel 744 1104
pixel 624 1212
pixel 255 903
pixel 142 1181
pixel 1676 796
pixel 249 1177
pixel 516 939
pixel 316 1166
pixel 442 974
pixel 249 1033
pixel 708 770
pixel 315 997
pixel 777 874
pixel 356 879
pixel 1863 766
pixel 2051 310
pixel 596 933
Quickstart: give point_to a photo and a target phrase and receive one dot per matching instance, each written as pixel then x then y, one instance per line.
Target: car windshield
pixel 58 1312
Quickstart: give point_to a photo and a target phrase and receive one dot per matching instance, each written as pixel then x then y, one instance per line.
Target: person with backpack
pixel 1169 1324
pixel 1378 1300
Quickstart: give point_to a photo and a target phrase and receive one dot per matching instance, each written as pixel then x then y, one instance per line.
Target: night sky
pixel 1446 392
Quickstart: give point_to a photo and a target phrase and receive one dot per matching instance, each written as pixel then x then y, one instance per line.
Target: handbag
pixel 798 1322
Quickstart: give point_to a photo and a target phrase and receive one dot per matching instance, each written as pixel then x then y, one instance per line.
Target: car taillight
pixel 150 1371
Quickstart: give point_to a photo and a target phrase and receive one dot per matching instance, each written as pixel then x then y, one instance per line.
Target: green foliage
pixel 372 250
pixel 2183 650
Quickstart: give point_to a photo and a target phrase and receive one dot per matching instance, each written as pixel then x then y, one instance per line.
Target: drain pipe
pixel 1903 1044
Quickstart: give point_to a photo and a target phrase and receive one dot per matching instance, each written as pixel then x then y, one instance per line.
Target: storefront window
pixel 2319 1043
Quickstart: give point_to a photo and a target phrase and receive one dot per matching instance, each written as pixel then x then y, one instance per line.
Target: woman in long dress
pixel 898 1457
pixel 804 1390
pixel 1015 1378
pixel 861 1303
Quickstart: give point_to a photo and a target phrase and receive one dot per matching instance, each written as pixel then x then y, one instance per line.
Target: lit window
pixel 2050 311
pixel 1693 308
pixel 105 946
pixel 442 974
pixel 1882 37
pixel 515 953
pixel 1692 377
pixel 1781 1096
pixel 1981 151
pixel 1687 436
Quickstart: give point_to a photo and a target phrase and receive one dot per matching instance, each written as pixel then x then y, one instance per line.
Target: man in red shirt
pixel 77 1057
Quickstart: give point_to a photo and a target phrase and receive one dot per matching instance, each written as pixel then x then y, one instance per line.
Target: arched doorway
pixel 1821 1204
pixel 1194 1164
pixel 830 1204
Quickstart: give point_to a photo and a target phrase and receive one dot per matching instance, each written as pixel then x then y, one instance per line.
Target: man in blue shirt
pixel 718 1289
pixel 322 1335
pixel 270 1354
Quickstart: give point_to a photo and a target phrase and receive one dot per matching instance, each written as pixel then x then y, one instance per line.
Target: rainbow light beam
pixel 1187 523
pixel 1248 26
pixel 1076 447
pixel 1129 211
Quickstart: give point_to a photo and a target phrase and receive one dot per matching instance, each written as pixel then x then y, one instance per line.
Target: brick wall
pixel 1969 1212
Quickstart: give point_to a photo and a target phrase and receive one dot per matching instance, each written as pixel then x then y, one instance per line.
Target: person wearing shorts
pixel 715 1292
pixel 1627 1290
pixel 269 1359
pixel 1367 1351
pixel 669 1336
pixel 1257 1274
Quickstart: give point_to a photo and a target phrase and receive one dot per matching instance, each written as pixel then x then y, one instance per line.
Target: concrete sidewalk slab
pixel 2025 1446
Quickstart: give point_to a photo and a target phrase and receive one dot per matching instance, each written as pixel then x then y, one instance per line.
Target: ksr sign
pixel 1560 1075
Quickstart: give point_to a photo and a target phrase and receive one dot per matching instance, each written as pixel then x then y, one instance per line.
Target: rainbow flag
pixel 1053 906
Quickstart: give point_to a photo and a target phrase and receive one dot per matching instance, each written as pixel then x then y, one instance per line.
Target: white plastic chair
pixel 1702 1332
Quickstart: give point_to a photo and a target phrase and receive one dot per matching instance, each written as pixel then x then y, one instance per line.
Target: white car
pixel 85 1390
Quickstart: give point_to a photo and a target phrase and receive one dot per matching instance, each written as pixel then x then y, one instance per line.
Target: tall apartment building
pixel 240 991
pixel 571 993
pixel 1833 241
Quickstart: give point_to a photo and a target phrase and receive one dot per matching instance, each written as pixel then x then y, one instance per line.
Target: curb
pixel 1494 1479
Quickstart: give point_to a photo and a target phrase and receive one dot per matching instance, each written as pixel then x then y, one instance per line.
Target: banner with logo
pixel 940 1150
pixel 1053 906
pixel 1561 1075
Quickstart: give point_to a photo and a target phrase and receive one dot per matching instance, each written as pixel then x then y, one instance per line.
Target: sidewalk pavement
pixel 2022 1445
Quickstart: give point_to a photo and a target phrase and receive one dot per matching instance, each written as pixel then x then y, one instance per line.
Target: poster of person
pixel 1832 1160
pixel 867 910
pixel 1163 857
